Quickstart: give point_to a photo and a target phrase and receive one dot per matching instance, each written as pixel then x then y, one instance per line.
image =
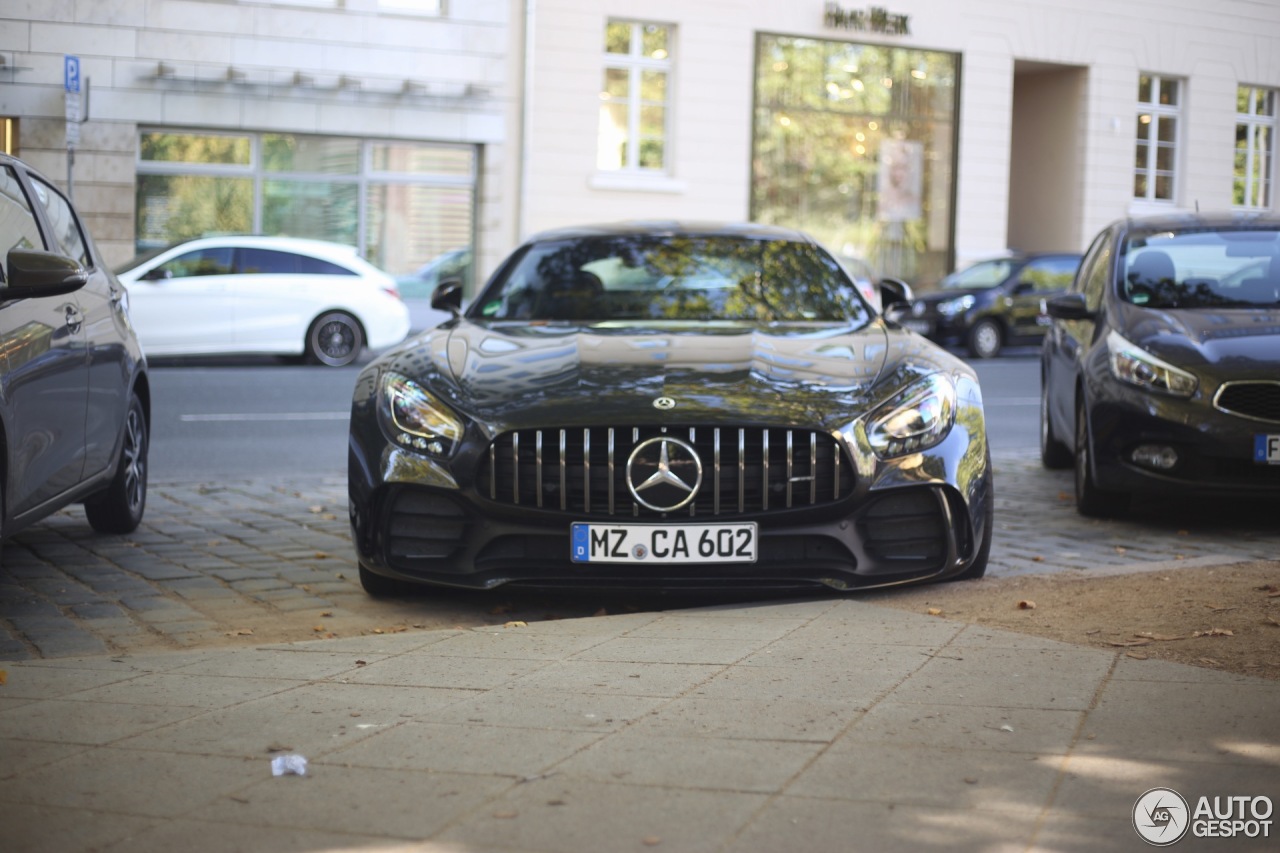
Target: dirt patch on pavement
pixel 1224 617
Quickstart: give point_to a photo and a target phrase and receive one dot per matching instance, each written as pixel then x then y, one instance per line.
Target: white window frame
pixel 634 62
pixel 1253 122
pixel 1158 111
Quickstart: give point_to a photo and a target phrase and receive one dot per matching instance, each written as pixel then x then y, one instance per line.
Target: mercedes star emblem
pixel 664 473
pixel 664 403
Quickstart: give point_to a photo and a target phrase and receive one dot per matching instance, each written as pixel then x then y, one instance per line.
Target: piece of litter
pixel 1006 728
pixel 289 765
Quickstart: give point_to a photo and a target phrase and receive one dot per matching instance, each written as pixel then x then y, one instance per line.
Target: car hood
pixel 1246 340
pixel 516 375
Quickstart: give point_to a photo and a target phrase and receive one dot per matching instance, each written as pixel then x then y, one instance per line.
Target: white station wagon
pixel 263 295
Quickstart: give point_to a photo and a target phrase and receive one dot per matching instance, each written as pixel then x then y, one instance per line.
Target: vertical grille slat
pixel 584 470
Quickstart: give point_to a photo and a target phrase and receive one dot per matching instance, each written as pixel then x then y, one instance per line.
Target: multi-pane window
pixel 1157 138
pixel 1255 146
pixel 635 98
pixel 402 204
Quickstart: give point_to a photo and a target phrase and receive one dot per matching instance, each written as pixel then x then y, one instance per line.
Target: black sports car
pixel 1161 374
pixel 668 405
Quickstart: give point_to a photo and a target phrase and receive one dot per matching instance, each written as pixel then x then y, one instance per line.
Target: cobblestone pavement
pixel 256 561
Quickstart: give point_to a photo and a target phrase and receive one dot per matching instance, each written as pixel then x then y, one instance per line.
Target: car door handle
pixel 73 318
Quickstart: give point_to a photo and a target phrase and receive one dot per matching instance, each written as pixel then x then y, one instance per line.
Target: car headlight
pixel 959 305
pixel 1132 364
pixel 418 420
pixel 914 419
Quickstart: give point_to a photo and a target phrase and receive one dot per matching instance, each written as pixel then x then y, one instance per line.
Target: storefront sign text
pixel 871 20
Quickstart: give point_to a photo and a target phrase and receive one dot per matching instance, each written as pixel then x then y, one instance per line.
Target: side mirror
pixel 894 291
pixel 33 274
pixel 157 274
pixel 447 296
pixel 1069 306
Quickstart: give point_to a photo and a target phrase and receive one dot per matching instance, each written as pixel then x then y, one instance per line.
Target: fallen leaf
pixel 1026 604
pixel 1218 608
pixel 1136 655
pixel 516 624
pixel 1214 632
pixel 317 509
pixel 326 613
pixel 651 841
pixel 377 630
pixel 317 628
pixel 1209 661
pixel 1162 637
pixel 320 555
pixel 934 611
pixel 241 632
pixel 279 747
pixel 1121 550
pixel 4 676
pixel 362 663
pixel 1063 496
pixel 970 780
pixel 1037 559
pixel 1124 644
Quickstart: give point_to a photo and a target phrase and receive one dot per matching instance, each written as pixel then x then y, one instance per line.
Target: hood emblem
pixel 664 473
pixel 664 403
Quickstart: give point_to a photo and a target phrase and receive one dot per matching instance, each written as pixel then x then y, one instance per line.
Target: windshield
pixel 1207 268
pixel 980 276
pixel 672 278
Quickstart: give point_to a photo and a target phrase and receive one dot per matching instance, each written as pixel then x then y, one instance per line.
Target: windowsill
pixel 633 182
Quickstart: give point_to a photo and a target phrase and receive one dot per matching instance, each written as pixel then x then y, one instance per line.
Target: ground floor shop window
pixel 402 204
pixel 855 144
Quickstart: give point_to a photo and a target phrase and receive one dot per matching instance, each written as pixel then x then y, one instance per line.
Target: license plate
pixel 920 327
pixel 1266 449
pixel 663 543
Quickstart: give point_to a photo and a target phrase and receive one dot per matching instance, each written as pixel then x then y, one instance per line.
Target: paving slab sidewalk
pixel 812 725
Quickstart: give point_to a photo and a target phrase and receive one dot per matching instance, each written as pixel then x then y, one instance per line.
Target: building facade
pixel 918 135
pixel 377 123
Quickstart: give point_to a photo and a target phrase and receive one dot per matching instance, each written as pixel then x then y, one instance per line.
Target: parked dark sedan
pixel 74 397
pixel 994 303
pixel 672 406
pixel 1161 374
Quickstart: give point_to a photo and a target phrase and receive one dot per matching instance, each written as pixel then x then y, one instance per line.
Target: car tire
pixel 380 586
pixel 1092 501
pixel 334 339
pixel 119 507
pixel 985 339
pixel 1054 454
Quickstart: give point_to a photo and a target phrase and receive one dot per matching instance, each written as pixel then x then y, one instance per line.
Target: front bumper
pixel 1214 450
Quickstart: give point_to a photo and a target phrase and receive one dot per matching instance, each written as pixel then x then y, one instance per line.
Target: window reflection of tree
pixel 698 278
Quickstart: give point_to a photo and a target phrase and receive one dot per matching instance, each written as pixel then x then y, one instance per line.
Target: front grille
pixel 582 471
pixel 1258 400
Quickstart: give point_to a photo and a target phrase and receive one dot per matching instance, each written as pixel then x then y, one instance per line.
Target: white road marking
pixel 268 416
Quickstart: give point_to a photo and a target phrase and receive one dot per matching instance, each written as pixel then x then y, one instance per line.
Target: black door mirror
pixel 447 296
pixel 895 291
pixel 1069 306
pixel 33 274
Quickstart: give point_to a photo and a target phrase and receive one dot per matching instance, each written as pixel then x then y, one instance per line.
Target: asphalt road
pixel 234 418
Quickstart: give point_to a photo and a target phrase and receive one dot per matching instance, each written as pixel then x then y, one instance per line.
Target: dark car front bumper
pixel 1215 450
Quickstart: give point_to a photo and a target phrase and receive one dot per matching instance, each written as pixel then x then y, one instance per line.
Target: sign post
pixel 71 83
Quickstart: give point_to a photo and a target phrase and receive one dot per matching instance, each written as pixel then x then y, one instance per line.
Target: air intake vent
pixel 1257 400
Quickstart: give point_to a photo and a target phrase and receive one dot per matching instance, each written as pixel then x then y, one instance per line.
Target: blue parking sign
pixel 71 73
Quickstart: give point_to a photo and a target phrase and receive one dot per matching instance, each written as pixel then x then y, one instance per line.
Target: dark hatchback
pixel 673 406
pixel 74 396
pixel 994 303
pixel 1161 374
